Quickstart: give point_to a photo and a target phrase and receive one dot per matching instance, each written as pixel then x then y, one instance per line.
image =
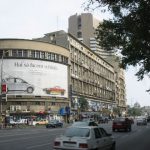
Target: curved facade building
pixel 36 76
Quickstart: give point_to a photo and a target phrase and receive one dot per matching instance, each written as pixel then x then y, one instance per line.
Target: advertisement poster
pixel 35 77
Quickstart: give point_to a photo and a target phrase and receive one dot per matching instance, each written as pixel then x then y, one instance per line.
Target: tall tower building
pixel 83 27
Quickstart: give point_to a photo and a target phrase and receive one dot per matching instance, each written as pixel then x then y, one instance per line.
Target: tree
pixel 83 104
pixel 128 31
pixel 134 111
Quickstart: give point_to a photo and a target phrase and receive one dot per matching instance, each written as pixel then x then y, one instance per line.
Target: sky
pixel 27 19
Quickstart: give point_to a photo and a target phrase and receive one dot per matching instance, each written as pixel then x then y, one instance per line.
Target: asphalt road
pixel 42 139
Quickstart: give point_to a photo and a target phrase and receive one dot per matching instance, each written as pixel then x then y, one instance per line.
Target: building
pixel 36 75
pixel 83 27
pixel 120 86
pixel 90 75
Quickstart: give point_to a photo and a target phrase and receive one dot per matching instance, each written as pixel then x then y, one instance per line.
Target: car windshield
pixel 77 132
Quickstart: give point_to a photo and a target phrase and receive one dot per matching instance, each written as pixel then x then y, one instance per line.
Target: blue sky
pixel 27 19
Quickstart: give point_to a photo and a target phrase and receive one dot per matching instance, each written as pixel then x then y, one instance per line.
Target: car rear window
pixel 80 123
pixel 119 119
pixel 77 132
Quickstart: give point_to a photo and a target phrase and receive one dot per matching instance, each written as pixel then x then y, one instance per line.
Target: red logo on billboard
pixel 4 88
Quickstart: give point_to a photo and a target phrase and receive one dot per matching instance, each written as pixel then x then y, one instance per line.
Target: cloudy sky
pixel 27 19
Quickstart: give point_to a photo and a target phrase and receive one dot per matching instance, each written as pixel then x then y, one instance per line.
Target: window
pixel 103 132
pixel 42 55
pixel 79 34
pixel 37 54
pixel 49 56
pixel 25 53
pixel 33 54
pixel 14 53
pixel 97 133
pixel 19 53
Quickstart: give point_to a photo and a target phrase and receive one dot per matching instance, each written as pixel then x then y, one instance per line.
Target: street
pixel 40 138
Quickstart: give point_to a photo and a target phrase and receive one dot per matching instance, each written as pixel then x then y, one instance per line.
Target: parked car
pixel 54 124
pixel 141 121
pixel 148 119
pixel 18 84
pixel 84 138
pixel 121 123
pixel 42 122
pixel 85 123
pixel 103 120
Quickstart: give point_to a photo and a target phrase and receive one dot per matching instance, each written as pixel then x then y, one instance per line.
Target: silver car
pixel 141 121
pixel 85 138
pixel 18 84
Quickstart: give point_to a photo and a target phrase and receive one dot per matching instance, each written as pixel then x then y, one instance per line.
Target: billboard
pixel 35 77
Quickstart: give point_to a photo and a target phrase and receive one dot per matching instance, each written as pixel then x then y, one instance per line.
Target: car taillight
pixel 83 145
pixel 56 143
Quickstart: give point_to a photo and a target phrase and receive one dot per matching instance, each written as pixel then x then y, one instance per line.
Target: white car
pixel 141 121
pixel 85 138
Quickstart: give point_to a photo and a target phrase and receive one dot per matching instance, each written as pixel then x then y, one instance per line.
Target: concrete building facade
pixel 36 75
pixel 90 75
pixel 83 27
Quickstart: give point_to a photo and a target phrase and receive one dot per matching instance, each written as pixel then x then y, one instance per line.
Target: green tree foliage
pixel 83 104
pixel 134 111
pixel 127 31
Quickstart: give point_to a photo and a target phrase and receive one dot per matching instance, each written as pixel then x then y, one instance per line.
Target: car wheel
pixel 30 90
pixel 113 147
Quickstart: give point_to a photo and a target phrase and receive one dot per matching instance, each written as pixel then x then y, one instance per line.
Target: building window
pixel 42 55
pixel 37 54
pixel 33 54
pixel 79 34
pixel 52 56
pixel 14 53
pixel 25 53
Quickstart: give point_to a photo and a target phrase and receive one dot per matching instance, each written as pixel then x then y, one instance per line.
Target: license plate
pixel 69 145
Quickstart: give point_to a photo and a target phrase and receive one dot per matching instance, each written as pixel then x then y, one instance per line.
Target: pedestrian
pixel 5 122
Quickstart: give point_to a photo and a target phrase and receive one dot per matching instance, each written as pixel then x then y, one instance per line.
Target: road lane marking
pixel 40 145
pixel 5 141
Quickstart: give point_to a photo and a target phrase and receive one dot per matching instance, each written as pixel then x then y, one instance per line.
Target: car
pixel 141 121
pixel 85 123
pixel 121 123
pixel 42 122
pixel 148 119
pixel 54 124
pixel 103 120
pixel 84 138
pixel 18 84
pixel 57 90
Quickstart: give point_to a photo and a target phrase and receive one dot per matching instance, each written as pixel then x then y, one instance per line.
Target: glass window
pixel 33 54
pixel 56 57
pixel 14 53
pixel 52 56
pixel 103 132
pixel 49 56
pixel 77 132
pixel 25 53
pixel 37 54
pixel 19 53
pixel 97 133
pixel 42 55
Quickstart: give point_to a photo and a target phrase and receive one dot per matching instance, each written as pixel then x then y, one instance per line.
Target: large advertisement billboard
pixel 35 77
